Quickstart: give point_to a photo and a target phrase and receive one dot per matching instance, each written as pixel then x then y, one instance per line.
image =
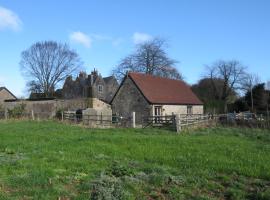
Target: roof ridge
pixel 155 76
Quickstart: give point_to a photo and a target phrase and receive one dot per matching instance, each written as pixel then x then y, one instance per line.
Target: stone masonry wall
pixel 5 95
pixel 129 99
pixel 48 108
pixel 181 109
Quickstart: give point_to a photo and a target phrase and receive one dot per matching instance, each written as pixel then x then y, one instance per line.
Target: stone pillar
pixel 133 120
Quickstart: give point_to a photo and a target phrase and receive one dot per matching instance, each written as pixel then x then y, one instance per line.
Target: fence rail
pixel 175 122
pixel 99 120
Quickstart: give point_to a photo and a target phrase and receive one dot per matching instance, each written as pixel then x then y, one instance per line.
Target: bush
pixel 107 188
pixel 17 111
pixel 58 114
pixel 119 170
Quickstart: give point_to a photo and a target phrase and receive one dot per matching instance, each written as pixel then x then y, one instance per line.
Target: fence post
pixel 133 120
pixel 6 114
pixel 62 115
pixel 33 115
pixel 178 123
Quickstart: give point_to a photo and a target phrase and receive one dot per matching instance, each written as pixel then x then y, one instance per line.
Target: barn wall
pixel 198 109
pixel 5 95
pixel 178 109
pixel 129 99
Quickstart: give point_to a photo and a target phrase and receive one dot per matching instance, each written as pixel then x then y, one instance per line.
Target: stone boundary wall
pixel 48 108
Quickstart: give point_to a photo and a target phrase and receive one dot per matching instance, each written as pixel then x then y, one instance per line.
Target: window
pixel 157 114
pixel 158 111
pixel 100 88
pixel 189 110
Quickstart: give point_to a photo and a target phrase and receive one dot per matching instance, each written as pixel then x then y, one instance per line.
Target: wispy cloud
pixel 141 37
pixel 9 20
pixel 81 38
pixel 100 37
pixel 88 39
pixel 116 42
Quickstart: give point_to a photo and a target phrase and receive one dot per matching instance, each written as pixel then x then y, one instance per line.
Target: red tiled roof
pixel 159 90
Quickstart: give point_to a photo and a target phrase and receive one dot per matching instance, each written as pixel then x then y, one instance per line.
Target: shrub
pixel 107 188
pixel 58 114
pixel 17 111
pixel 119 170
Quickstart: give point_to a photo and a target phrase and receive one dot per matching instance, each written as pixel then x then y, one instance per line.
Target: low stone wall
pixel 97 117
pixel 48 108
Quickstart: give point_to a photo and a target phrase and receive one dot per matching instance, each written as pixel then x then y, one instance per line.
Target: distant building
pixel 154 96
pixel 90 86
pixel 6 95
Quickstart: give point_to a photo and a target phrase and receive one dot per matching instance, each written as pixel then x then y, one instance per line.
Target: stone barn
pixel 6 95
pixel 148 95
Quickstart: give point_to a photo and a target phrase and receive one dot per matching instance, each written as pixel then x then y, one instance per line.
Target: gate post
pixel 178 123
pixel 133 120
pixel 33 115
pixel 62 116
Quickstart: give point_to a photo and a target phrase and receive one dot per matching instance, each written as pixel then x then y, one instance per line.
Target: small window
pixel 189 110
pixel 100 88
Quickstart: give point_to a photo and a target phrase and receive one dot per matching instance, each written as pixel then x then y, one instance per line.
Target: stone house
pixel 148 95
pixel 6 95
pixel 90 86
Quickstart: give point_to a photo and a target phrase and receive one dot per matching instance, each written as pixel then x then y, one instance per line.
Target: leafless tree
pixel 46 64
pixel 231 73
pixel 247 84
pixel 149 58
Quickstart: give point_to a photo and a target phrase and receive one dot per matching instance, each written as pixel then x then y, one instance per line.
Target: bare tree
pixel 231 73
pixel 46 64
pixel 149 58
pixel 247 84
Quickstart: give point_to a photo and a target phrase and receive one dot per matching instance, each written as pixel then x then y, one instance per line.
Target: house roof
pixel 108 79
pixel 159 90
pixel 4 88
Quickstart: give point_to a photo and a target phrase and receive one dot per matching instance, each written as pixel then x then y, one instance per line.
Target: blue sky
pixel 199 32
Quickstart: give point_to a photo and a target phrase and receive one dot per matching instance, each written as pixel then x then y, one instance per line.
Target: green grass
pixel 49 160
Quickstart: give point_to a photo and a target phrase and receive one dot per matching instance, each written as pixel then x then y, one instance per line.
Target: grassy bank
pixel 47 160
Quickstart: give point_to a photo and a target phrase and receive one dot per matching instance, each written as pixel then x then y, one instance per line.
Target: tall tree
pixel 260 97
pixel 211 96
pixel 46 64
pixel 231 72
pixel 247 84
pixel 149 58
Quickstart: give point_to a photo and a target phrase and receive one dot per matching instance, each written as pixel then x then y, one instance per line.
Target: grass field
pixel 49 160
